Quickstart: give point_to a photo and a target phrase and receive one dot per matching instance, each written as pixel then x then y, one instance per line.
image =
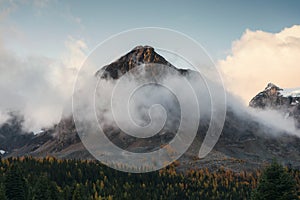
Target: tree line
pixel 50 178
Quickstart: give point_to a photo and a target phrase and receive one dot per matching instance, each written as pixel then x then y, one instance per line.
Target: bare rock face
pixel 271 98
pixel 12 136
pixel 138 56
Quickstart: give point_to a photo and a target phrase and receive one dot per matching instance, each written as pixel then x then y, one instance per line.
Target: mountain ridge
pixel 244 143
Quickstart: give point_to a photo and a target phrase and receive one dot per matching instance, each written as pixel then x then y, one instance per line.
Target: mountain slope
pixel 245 142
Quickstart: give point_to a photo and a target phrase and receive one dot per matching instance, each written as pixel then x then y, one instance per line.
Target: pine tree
pixel 41 190
pixel 275 183
pixel 54 192
pixel 79 193
pixel 67 193
pixel 2 192
pixel 15 185
pixel 45 189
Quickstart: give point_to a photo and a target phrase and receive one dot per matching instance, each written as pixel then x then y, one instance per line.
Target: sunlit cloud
pixel 260 57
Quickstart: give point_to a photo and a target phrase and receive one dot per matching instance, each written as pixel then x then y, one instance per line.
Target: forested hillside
pixel 50 178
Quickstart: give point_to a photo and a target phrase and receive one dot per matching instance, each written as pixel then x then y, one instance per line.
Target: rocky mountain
pixel 271 98
pixel 138 55
pixel 245 142
pixel 12 136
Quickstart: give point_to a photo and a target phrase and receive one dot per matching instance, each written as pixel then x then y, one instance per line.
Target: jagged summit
pixel 137 56
pixel 143 47
pixel 271 98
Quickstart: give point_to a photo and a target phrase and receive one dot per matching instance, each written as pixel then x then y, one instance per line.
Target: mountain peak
pixel 137 56
pixel 141 47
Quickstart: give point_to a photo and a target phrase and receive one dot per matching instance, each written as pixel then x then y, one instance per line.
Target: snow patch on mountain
pixel 293 92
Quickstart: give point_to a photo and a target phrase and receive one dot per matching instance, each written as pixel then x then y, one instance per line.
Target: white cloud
pixel 260 57
pixel 3 117
pixel 39 87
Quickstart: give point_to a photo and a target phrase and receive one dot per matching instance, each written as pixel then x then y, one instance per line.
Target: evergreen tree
pixel 15 185
pixel 79 193
pixel 41 190
pixel 54 193
pixel 48 178
pixel 45 189
pixel 2 192
pixel 275 183
pixel 67 193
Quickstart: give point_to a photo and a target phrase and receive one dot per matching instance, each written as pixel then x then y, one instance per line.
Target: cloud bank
pixel 38 87
pixel 260 57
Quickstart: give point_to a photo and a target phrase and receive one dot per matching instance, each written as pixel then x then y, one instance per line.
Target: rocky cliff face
pixel 139 55
pixel 245 143
pixel 272 99
pixel 12 136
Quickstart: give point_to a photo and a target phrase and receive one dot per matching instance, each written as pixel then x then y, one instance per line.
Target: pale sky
pixel 42 26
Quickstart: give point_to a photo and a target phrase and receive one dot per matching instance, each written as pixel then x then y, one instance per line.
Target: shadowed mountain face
pixel 12 136
pixel 245 142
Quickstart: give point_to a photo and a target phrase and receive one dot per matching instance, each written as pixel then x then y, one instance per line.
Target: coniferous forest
pixel 51 178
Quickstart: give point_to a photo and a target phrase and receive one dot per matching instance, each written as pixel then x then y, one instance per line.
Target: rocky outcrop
pixel 271 98
pixel 139 55
pixel 12 136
